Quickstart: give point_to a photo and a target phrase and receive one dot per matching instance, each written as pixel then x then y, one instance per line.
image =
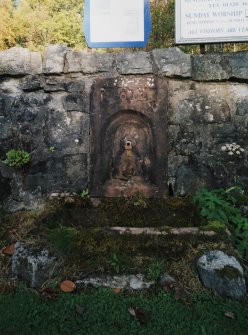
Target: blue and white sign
pixel 117 23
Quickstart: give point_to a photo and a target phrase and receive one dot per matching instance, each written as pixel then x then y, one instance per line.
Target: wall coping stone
pixel 170 62
pixel 20 61
pixel 217 67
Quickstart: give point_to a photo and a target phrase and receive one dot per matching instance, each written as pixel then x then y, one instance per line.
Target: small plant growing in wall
pixel 52 149
pixel 17 158
pixel 85 194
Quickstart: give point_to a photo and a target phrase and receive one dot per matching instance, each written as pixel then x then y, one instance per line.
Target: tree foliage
pixel 37 23
pixel 7 33
pixel 163 24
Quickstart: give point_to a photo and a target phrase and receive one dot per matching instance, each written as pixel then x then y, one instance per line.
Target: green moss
pixel 214 225
pixel 165 229
pixel 124 212
pixel 229 272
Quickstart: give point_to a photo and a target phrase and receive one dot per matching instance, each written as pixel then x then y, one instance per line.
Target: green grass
pixel 106 313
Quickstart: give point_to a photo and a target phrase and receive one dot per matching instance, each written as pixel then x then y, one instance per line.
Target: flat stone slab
pixel 133 282
pixel 157 231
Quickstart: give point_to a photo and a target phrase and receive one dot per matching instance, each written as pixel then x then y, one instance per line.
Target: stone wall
pixel 45 109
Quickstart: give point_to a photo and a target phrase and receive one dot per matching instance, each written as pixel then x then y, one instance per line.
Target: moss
pixel 165 229
pixel 124 212
pixel 229 272
pixel 214 225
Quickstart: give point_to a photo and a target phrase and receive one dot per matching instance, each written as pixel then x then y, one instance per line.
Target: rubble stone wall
pixel 45 109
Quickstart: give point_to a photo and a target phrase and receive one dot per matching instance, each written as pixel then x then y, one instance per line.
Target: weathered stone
pixel 134 63
pixel 74 102
pixel 220 66
pixel 191 231
pixel 11 87
pixel 167 280
pixel 81 61
pixel 54 59
pixel 31 83
pixel 54 84
pixel 33 266
pixel 172 62
pixel 67 130
pixel 222 273
pixel 75 86
pixel 133 282
pixel 160 232
pixel 66 173
pixel 198 107
pixel 137 231
pixel 242 107
pixel 5 128
pixel 190 178
pixel 20 61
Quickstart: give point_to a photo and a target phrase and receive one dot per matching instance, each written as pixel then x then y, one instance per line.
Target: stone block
pixel 54 59
pixel 172 62
pixel 31 83
pixel 212 67
pixel 20 61
pixel 68 173
pixel 88 62
pixel 190 178
pixel 134 63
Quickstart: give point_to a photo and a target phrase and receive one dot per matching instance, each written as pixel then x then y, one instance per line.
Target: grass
pixel 104 312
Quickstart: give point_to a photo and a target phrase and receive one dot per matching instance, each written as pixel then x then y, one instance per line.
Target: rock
pixel 190 178
pixel 11 87
pixel 88 62
pixel 222 273
pixel 172 62
pixel 220 66
pixel 134 63
pixel 167 280
pixel 54 59
pixel 138 283
pixel 20 61
pixel 31 83
pixel 33 266
pixel 242 107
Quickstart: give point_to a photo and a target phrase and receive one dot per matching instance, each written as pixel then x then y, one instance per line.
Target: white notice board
pixel 117 23
pixel 210 21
